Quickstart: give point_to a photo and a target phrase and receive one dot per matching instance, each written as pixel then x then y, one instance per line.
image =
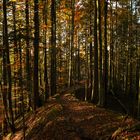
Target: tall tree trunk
pixel 45 13
pixel 4 91
pixel 105 50
pixel 91 55
pixel 101 93
pixel 86 69
pixel 28 71
pixel 138 84
pixel 53 47
pixel 79 74
pixel 21 87
pixel 116 46
pixel 8 65
pixel 71 65
pixel 111 50
pixel 36 49
pixel 15 53
pixel 96 82
pixel 138 75
pixel 131 94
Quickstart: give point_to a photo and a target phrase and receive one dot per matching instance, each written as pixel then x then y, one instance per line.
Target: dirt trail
pixel 66 118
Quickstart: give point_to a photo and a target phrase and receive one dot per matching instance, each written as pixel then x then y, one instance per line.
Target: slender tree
pixel 71 44
pixel 45 19
pixel 15 50
pixel 91 51
pixel 138 74
pixel 8 82
pixel 28 68
pixel 53 47
pixel 36 49
pixel 21 86
pixel 105 73
pixel 131 94
pixel 78 60
pixel 137 69
pixel 101 93
pixel 96 82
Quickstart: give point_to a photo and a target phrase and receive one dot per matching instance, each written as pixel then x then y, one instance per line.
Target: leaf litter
pixel 64 117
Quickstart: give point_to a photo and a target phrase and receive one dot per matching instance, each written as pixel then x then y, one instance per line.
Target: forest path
pixel 66 118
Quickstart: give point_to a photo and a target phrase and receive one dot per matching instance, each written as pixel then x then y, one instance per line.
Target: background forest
pixel 47 46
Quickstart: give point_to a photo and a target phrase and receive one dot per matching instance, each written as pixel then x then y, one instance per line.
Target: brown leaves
pixel 67 117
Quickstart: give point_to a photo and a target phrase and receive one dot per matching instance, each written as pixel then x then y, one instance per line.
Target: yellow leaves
pixel 12 0
pixel 8 137
pixel 41 5
pixel 90 39
pixel 44 26
pixel 64 12
pixel 61 80
pixel 61 69
pixel 78 16
pixel 120 117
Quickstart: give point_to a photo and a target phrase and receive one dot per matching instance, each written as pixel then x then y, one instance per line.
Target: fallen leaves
pixel 65 117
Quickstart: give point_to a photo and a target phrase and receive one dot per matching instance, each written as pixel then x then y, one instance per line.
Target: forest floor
pixel 64 117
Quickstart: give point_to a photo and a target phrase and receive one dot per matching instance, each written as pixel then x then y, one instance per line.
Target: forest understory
pixel 66 117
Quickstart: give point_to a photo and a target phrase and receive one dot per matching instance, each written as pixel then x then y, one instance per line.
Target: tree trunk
pixel 53 47
pixel 15 54
pixel 71 63
pixel 96 82
pixel 8 65
pixel 36 49
pixel 138 80
pixel 91 55
pixel 101 93
pixel 105 75
pixel 21 88
pixel 28 67
pixel 45 22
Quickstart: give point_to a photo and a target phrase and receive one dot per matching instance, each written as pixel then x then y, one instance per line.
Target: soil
pixel 64 117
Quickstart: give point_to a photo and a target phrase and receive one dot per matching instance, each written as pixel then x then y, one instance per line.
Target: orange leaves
pixel 78 16
pixel 61 80
pixel 79 12
pixel 45 26
pixel 61 69
pixel 66 11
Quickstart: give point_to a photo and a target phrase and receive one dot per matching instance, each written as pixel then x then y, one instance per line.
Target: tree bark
pixel 36 49
pixel 96 82
pixel 105 75
pixel 45 13
pixel 71 62
pixel 53 47
pixel 28 67
pixel 8 82
pixel 101 93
